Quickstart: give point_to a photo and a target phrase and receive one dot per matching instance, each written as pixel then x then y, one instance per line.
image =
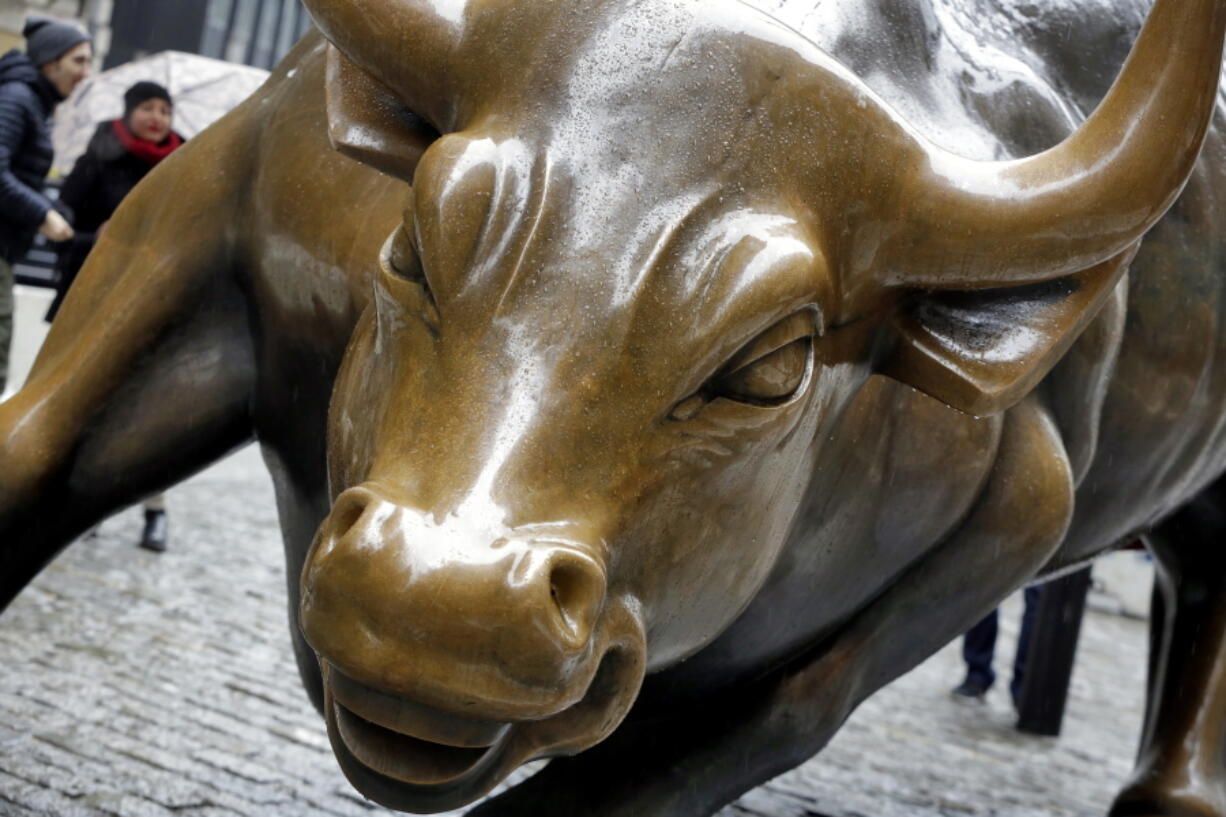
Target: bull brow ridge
pixel 676 232
pixel 540 176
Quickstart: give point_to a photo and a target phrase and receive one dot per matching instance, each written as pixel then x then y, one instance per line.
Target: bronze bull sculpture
pixel 625 330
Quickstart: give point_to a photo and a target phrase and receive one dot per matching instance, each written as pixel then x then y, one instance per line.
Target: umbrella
pixel 203 90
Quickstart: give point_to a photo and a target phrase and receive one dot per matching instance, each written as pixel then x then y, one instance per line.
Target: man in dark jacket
pixel 57 59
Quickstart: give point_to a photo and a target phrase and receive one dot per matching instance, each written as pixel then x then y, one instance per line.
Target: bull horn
pixel 408 45
pixel 961 223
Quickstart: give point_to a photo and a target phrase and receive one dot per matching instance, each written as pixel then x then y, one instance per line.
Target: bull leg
pixel 145 378
pixel 1181 768
pixel 690 766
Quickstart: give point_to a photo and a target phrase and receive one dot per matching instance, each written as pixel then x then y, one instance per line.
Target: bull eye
pixel 402 257
pixel 768 372
pixel 404 281
pixel 771 379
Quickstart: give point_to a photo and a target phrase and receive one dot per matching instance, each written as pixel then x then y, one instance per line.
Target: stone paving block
pixel 121 804
pixel 303 737
pixel 22 797
pixel 342 802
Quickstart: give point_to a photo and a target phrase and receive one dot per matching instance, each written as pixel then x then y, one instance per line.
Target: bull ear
pixel 367 122
pixel 980 351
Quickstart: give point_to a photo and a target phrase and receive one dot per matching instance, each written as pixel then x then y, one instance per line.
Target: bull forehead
pixel 518 242
pixel 669 86
pixel 636 168
pixel 618 52
pixel 647 181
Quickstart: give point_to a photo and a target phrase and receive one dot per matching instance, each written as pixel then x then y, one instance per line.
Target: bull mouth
pixel 403 757
pixel 407 756
pixel 410 757
pixel 406 741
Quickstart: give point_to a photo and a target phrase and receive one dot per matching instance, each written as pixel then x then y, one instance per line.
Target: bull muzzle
pixel 452 653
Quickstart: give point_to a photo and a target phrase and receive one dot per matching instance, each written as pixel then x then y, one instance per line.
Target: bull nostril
pixel 348 510
pixel 577 590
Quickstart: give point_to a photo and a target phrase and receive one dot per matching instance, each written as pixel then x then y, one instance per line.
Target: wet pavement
pixel 143 685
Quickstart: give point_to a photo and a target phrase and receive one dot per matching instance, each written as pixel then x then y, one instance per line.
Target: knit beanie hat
pixel 143 92
pixel 48 40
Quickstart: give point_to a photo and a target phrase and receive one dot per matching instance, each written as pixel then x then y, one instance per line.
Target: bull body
pixel 242 293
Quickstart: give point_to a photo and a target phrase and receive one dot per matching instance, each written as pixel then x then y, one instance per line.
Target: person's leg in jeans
pixel 978 647
pixel 6 319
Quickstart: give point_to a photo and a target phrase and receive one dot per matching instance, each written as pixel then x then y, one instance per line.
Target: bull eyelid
pixel 792 328
pixel 802 324
pixel 416 287
pixel 736 386
pixel 402 250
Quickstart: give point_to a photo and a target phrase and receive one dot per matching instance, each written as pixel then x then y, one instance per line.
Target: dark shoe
pixel 154 537
pixel 970 690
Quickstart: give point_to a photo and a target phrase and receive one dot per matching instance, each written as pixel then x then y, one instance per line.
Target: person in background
pixel 57 58
pixel 979 648
pixel 119 155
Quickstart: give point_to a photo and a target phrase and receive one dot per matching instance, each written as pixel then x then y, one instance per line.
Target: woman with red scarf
pixel 119 155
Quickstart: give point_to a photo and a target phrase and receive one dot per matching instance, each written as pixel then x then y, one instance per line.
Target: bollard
pixel 1052 650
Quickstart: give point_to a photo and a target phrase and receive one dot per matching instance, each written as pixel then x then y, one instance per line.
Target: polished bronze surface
pixel 647 383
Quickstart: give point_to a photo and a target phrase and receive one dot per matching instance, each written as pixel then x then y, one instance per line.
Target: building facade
pixel 252 32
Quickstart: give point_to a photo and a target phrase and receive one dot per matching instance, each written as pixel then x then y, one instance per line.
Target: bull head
pixel 650 252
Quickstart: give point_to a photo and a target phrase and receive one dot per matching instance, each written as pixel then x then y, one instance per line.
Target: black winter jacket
pixel 99 181
pixel 27 99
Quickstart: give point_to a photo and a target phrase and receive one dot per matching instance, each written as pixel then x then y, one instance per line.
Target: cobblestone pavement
pixel 141 685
